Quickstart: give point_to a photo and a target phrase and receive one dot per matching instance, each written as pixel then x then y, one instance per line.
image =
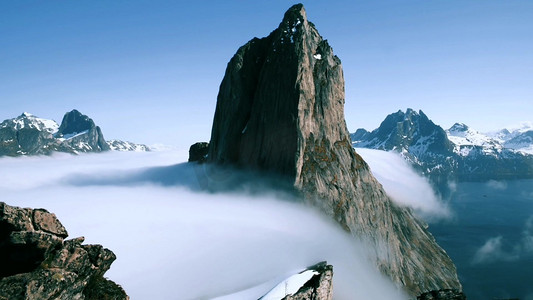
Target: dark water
pixel 497 216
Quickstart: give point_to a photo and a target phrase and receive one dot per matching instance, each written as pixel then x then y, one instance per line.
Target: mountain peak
pixel 280 110
pixel 25 115
pixel 295 13
pixel 75 122
pixel 459 127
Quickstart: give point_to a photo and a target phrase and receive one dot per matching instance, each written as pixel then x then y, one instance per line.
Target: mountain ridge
pixel 458 153
pixel 28 134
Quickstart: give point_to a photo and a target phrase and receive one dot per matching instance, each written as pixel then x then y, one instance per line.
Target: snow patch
pixel 290 285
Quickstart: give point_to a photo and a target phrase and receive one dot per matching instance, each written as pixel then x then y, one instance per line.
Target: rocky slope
pixel 30 135
pixel 459 153
pixel 280 109
pixel 38 263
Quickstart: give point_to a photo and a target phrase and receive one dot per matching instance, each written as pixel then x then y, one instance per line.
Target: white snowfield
pixel 466 139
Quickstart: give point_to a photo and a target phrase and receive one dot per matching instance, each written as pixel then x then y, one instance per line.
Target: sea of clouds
pixel 174 241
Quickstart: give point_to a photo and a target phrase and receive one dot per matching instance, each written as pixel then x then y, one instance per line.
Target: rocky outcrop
pixel 448 294
pixel 38 263
pixel 198 152
pixel 280 109
pixel 313 283
pixel 319 287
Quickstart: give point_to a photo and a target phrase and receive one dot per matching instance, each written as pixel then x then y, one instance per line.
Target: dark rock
pixel 83 131
pixel 280 109
pixel 198 152
pixel 75 122
pixel 448 294
pixel 37 263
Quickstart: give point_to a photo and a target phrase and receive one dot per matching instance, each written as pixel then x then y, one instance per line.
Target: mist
pixel 174 241
pixel 496 249
pixel 404 185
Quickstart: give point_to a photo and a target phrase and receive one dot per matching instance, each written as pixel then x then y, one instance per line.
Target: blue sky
pixel 149 71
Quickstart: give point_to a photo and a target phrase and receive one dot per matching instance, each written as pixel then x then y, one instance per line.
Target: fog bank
pixel 176 243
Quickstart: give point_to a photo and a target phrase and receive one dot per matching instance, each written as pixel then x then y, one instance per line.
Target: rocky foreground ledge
pixel 38 263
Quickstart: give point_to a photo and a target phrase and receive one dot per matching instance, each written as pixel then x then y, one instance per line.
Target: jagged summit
pixel 75 122
pixel 280 109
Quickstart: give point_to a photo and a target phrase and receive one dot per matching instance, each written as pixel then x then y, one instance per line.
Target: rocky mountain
pixel 30 135
pixel 280 111
pixel 38 263
pixel 413 135
pixel 459 153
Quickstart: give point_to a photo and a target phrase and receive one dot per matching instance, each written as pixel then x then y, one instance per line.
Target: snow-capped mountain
pixel 457 153
pixel 520 138
pixel 417 139
pixel 466 139
pixel 118 145
pixel 30 135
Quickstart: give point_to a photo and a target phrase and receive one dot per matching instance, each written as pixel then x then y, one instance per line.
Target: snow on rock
pixel 27 120
pixel 290 285
pixel 466 139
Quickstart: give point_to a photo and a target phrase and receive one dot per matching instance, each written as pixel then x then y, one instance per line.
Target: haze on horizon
pixel 149 72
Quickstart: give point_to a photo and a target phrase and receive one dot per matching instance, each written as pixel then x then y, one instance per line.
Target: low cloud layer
pixel 404 185
pixel 498 249
pixel 174 242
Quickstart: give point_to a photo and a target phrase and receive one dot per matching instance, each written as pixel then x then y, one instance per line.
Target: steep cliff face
pixel 280 109
pixel 78 132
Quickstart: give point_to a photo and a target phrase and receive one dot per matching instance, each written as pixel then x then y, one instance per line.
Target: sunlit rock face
pixel 280 109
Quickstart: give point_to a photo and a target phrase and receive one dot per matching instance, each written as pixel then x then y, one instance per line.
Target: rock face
pixel 37 263
pixel 280 109
pixel 81 134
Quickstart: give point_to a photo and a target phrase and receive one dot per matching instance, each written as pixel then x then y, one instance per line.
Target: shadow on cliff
pixel 196 177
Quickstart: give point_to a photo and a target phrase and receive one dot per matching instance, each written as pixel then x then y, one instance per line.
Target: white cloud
pixel 404 185
pixel 497 249
pixel 172 242
pixel 497 185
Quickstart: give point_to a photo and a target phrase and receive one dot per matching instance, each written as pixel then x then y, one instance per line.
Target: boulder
pixel 37 263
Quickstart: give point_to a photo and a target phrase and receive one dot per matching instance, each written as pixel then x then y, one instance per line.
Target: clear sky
pixel 149 71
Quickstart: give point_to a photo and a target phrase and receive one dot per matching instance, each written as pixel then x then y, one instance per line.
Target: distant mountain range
pixel 31 135
pixel 459 153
